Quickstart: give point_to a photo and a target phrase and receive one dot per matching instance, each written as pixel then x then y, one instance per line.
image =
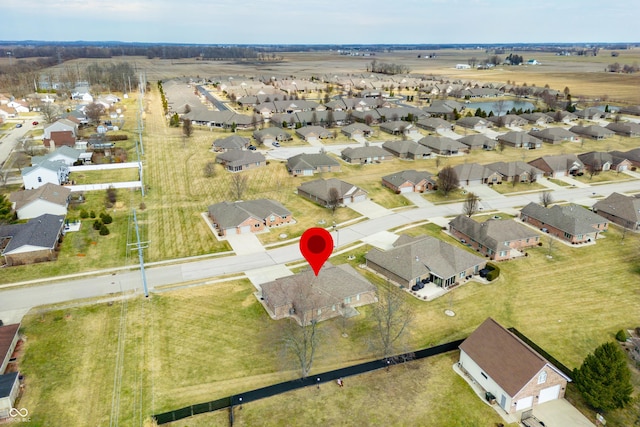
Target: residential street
pixel 15 302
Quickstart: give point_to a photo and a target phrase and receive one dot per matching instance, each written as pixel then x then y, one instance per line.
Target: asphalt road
pixel 14 136
pixel 14 302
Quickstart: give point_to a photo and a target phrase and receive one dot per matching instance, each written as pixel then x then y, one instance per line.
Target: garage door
pixel 245 229
pixel 312 139
pixel 524 403
pixel 550 393
pixel 406 189
pixel 361 198
pixel 623 168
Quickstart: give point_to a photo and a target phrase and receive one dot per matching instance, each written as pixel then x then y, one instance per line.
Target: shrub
pixel 106 218
pixel 104 231
pixel 143 206
pixel 621 335
pixel 84 214
pixel 97 224
pixel 117 137
pixel 92 214
pixel 494 272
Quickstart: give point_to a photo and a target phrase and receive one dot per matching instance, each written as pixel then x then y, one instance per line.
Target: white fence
pixel 108 166
pixel 97 187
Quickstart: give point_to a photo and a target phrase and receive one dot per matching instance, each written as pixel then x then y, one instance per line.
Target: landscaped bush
pixel 92 214
pixel 84 214
pixel 494 272
pixel 104 231
pixel 621 335
pixel 117 137
pixel 106 218
pixel 97 224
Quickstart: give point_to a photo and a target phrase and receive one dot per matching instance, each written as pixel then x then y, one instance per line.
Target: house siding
pixel 31 257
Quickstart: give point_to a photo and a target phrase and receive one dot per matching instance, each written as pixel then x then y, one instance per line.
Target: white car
pixel 275 144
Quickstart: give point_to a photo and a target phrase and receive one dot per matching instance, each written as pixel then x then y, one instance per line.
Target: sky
pixel 322 21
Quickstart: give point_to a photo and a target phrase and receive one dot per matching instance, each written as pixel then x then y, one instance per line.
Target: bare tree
pixel 471 205
pixel 334 199
pixel 187 128
pixel 447 180
pixel 546 198
pixel 210 169
pixel 49 112
pixel 392 316
pixel 501 145
pixel 550 244
pixel 238 185
pixel 94 111
pixel 499 107
pixel 593 168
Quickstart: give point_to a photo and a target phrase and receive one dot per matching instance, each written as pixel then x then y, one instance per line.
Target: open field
pixel 208 342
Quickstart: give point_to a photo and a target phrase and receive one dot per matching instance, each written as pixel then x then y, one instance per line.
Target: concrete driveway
pixel 259 276
pixel 417 199
pixel 560 413
pixel 244 244
pixel 369 209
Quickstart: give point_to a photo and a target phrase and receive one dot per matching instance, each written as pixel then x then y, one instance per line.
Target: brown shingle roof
pixel 7 334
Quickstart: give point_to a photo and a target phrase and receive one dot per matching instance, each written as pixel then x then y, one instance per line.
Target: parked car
pixel 19 125
pixel 35 123
pixel 252 147
pixel 275 144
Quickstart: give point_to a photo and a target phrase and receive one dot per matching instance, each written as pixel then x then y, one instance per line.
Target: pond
pixel 495 107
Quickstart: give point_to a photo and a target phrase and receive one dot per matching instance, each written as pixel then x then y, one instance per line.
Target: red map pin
pixel 316 244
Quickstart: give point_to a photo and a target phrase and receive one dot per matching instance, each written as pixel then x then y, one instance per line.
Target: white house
pixel 50 198
pixel 61 125
pixel 516 375
pixel 463 66
pixel 20 106
pixel 9 389
pixel 47 171
pixel 64 154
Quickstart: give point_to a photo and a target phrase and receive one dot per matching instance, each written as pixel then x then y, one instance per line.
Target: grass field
pixel 566 307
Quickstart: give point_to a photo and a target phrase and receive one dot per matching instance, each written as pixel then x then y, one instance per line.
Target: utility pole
pixel 139 246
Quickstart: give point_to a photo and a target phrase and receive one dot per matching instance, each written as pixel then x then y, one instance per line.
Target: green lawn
pixel 207 342
pixel 105 176
pixel 510 187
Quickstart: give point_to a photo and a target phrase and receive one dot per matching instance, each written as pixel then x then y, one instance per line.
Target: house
pixel 399 127
pixel 498 239
pixel 60 138
pixel 9 338
pixel 320 191
pixel 478 141
pixel 593 131
pixel 67 155
pixel 233 142
pixel 562 116
pixel 620 209
pixel 270 135
pixel 597 161
pixel 358 130
pixel 313 133
pixel 625 129
pixel 434 124
pixel 365 155
pixel 516 171
pixel 240 160
pixel 50 198
pixel 46 171
pixel 367 116
pixel 9 390
pixel 424 259
pixel 61 125
pixel 309 164
pixel 591 113
pixel 407 149
pixel 555 135
pixel 444 108
pixel 306 298
pixel 21 106
pixel 633 110
pixel 633 156
pixel 31 242
pixel 539 119
pixel 519 140
pixel 251 216
pixel 571 223
pixel 475 174
pixel 443 145
pixel 409 181
pixel 559 165
pixel 508 120
pixel 503 365
pixel 474 123
pixel 463 66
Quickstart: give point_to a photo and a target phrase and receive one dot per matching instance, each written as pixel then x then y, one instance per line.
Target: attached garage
pixel 245 229
pixel 549 393
pixel 312 139
pixel 406 189
pixel 360 198
pixel 524 403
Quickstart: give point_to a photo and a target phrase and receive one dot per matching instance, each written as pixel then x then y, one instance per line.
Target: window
pixel 484 375
pixel 256 225
pixel 503 253
pixel 542 378
pixel 462 274
pixel 567 235
pixel 347 300
pixel 272 218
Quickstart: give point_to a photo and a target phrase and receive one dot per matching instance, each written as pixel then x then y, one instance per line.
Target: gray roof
pixel 478 140
pixel 625 128
pixel 404 147
pixel 276 132
pixel 240 157
pixel 411 176
pixel 45 164
pixel 492 233
pixel 621 206
pixel 599 158
pixel 331 286
pixel 232 214
pixel 519 138
pixel 592 131
pixel 512 169
pixel 364 152
pixel 320 187
pixel 442 143
pixel 305 131
pixel 434 123
pixel 473 121
pixel 508 120
pixel 7 381
pixel 356 127
pixel 395 126
pixel 310 161
pixel 572 218
pixel 41 232
pixel 444 107
pixel 423 255
pixel 233 142
pixel 559 163
pixel 535 117
pixel 471 172
pixel 49 192
pixel 553 134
